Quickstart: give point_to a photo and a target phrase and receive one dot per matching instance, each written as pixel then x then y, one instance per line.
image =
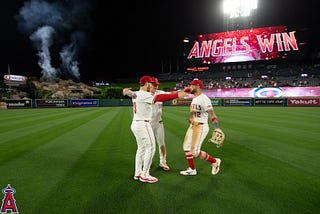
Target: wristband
pixel 214 119
pixel 215 123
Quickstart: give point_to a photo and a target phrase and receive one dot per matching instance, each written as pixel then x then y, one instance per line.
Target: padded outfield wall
pixel 264 96
pixel 80 103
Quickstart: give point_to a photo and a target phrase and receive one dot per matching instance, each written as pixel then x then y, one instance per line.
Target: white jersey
pixel 199 106
pixel 142 105
pixel 157 109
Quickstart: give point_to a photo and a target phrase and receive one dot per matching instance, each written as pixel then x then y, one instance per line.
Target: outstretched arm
pixel 128 92
pixel 166 97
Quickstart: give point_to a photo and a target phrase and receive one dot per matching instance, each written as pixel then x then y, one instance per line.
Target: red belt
pixel 147 121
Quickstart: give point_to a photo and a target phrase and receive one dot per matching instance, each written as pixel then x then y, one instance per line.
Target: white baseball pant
pixel 158 130
pixel 145 146
pixel 194 138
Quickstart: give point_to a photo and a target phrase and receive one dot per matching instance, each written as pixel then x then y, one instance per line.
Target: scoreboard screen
pixel 268 43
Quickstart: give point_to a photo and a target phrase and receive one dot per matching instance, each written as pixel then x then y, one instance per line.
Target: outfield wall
pixel 76 103
pixel 254 102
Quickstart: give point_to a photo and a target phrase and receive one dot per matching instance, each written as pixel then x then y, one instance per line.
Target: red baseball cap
pixel 154 81
pixel 196 82
pixel 144 79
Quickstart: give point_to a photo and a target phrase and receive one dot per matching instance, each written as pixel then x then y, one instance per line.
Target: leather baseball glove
pixel 217 137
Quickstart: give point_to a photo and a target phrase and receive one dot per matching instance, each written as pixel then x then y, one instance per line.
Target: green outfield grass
pixel 81 160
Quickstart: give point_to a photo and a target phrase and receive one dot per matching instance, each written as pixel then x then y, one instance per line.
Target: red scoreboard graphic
pixel 243 45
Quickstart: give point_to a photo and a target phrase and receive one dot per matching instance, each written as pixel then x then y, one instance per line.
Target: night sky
pixel 127 38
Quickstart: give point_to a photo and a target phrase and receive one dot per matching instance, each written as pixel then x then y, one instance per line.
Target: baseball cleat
pixel 216 166
pixel 164 166
pixel 148 179
pixel 188 171
pixel 136 177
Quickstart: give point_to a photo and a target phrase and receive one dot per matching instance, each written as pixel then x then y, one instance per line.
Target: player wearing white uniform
pixel 157 125
pixel 156 121
pixel 142 130
pixel 200 110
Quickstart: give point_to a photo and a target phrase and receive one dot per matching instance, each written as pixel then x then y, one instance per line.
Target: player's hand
pixel 182 94
pixel 125 91
pixel 187 89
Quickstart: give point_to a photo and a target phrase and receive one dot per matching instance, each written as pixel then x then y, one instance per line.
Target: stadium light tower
pixel 238 12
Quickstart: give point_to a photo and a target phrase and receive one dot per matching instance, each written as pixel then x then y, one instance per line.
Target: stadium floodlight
pixel 239 8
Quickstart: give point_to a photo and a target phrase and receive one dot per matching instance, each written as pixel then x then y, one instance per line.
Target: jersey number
pixel 197 114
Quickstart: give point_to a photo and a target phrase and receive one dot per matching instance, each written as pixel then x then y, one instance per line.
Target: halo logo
pixel 8 202
pixel 266 92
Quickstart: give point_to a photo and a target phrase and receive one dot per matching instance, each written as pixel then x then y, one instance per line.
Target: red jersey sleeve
pixel 165 97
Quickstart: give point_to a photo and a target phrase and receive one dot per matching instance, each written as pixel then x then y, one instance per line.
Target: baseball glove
pixel 217 137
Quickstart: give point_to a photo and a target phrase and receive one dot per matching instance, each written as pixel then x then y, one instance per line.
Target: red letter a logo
pixel 8 202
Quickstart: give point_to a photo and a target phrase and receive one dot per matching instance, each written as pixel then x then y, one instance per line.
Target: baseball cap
pixel 154 81
pixel 196 82
pixel 144 79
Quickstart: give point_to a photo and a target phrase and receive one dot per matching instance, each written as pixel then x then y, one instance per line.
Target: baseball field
pixel 81 160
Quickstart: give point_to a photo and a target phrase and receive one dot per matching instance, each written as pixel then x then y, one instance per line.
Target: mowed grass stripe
pixel 12 115
pixel 46 120
pixel 279 141
pixel 20 143
pixel 254 183
pixel 277 179
pixel 43 167
pixel 108 162
pixel 30 118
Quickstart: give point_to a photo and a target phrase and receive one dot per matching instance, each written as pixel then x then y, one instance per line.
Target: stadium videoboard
pixel 268 43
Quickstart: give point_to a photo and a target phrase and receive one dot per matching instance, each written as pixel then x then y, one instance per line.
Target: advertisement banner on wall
pixel 84 103
pixel 303 101
pixel 269 102
pixel 18 104
pixel 42 103
pixel 237 102
pixel 181 102
pixel 216 102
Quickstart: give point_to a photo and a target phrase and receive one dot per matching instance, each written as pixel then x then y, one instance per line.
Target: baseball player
pixel 157 125
pixel 156 122
pixel 200 109
pixel 141 128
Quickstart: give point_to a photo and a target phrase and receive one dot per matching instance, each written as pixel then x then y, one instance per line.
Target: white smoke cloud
pixel 69 63
pixel 50 23
pixel 42 38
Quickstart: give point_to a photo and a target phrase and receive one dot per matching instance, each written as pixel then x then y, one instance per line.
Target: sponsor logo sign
pixel 304 102
pixel 15 78
pixel 182 102
pixel 18 104
pixel 269 102
pixel 41 103
pixel 237 102
pixel 85 102
pixel 216 102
